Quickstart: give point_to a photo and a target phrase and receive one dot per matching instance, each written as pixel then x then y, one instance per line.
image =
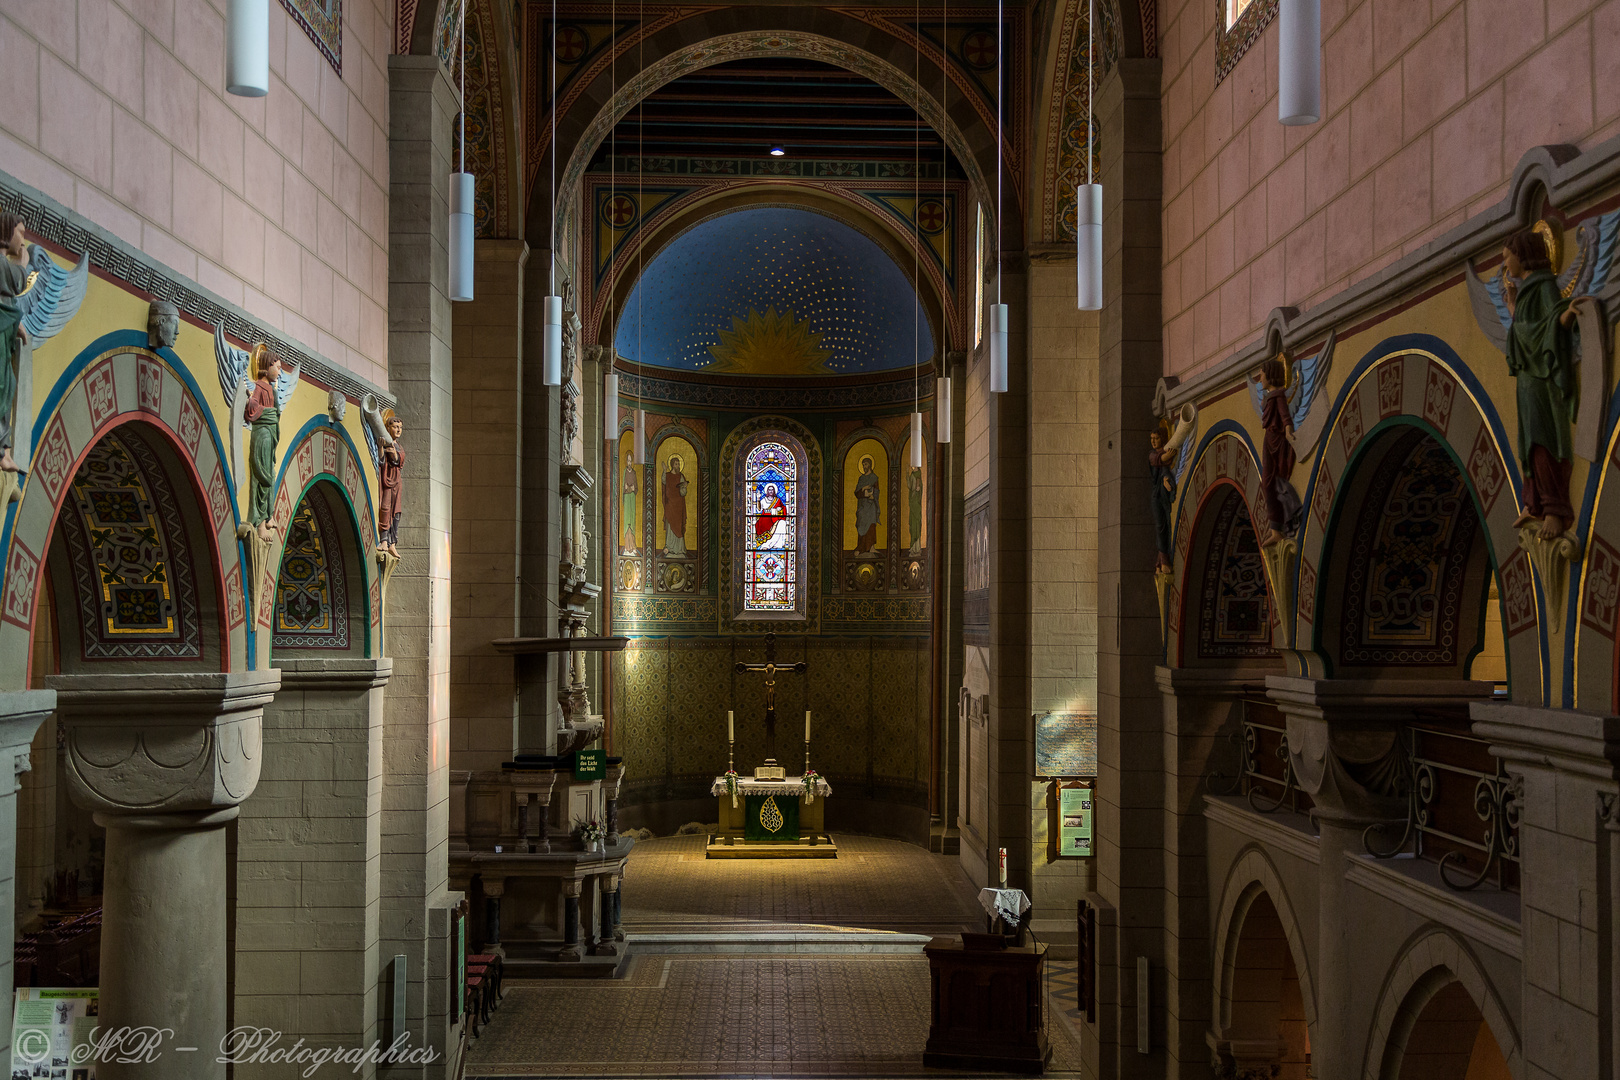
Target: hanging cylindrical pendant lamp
pixel 942 409
pixel 610 406
pixel 551 367
pixel 1088 240
pixel 998 348
pixel 461 236
pixel 247 51
pixel 1299 62
pixel 639 444
pixel 916 440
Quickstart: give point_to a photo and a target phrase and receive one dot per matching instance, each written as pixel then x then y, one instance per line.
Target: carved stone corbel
pixel 1280 575
pixel 1162 580
pixel 1552 559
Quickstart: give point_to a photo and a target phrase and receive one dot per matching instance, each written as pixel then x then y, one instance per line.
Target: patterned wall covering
pixel 1234 612
pixel 486 112
pixel 869 697
pixel 1404 596
pixel 1068 114
pixel 129 556
pixel 1232 42
pixel 312 602
pixel 786 292
pixel 322 20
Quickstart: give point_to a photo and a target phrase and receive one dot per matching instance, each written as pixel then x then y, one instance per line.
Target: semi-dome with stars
pixel 774 290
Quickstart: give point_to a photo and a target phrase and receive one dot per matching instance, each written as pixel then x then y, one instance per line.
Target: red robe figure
pixel 1277 460
pixel 675 488
pixel 771 514
pixel 389 480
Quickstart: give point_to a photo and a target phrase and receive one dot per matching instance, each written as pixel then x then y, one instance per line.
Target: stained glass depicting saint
pixel 770 537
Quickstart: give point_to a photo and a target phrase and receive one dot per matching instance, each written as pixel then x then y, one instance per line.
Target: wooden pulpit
pixel 989 1009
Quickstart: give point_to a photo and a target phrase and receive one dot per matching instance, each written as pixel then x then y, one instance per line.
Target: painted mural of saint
pixel 628 527
pixel 914 493
pixel 868 509
pixel 675 488
pixel 772 515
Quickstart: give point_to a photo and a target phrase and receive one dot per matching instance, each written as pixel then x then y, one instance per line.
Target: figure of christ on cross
pixel 770 667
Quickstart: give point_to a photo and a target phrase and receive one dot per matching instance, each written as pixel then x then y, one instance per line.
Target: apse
pixel 775 291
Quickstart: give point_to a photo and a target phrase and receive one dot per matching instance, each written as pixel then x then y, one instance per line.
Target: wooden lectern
pixel 989 1009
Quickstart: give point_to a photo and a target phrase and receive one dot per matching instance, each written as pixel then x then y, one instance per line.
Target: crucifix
pixel 771 770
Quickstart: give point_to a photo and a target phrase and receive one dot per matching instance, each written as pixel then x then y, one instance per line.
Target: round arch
pixel 1223 459
pixel 1433 960
pixel 824 38
pixel 321 451
pixel 1252 875
pixel 1594 609
pixel 1419 381
pixel 114 381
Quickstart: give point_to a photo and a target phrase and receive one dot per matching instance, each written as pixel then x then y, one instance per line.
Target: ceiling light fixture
pixel 551 354
pixel 1088 205
pixel 998 310
pixel 1299 62
pixel 247 57
pixel 777 151
pixel 942 380
pixel 461 195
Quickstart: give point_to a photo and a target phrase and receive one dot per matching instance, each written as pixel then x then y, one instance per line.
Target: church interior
pixel 866 539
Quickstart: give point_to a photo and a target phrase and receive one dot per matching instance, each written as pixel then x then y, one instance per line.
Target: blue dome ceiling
pixel 774 291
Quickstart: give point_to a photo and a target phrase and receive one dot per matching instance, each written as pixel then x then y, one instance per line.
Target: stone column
pixel 416 897
pixel 1566 762
pixel 1344 752
pixel 164 761
pixel 307 912
pixel 571 952
pixel 21 713
pixel 1129 868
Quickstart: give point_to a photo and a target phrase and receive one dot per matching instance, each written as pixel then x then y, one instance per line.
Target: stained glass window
pixel 770 511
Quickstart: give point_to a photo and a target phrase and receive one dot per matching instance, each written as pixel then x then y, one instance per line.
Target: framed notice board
pixel 1075 813
pixel 1066 744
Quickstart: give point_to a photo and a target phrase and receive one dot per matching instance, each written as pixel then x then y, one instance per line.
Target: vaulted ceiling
pixel 742 108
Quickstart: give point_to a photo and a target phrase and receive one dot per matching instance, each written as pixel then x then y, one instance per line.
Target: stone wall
pixel 1426 111
pixel 278 204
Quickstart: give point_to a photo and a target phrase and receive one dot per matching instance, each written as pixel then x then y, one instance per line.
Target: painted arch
pixel 1419 381
pixel 114 381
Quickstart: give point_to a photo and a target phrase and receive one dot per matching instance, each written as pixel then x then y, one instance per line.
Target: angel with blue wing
pixel 37 298
pixel 1162 471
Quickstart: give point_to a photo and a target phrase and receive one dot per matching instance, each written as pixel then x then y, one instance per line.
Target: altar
pixel 772 819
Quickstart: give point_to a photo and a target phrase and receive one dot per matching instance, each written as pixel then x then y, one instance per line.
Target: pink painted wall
pixel 279 204
pixel 1428 106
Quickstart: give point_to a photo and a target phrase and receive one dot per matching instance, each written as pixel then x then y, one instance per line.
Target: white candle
pixel 731 727
pixel 1003 868
pixel 807 725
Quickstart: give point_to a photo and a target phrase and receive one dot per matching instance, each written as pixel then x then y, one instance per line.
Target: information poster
pixel 1066 744
pixel 46 1025
pixel 1074 824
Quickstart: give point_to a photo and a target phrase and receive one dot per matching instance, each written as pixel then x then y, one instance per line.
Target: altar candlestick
pixel 807 725
pixel 731 727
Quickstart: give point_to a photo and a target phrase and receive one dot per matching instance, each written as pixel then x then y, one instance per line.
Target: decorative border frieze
pixel 67 231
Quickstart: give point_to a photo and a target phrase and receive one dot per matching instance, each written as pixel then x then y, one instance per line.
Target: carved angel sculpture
pixel 1168 460
pixel 37 298
pixel 1293 412
pixel 256 404
pixel 1552 328
pixel 385 436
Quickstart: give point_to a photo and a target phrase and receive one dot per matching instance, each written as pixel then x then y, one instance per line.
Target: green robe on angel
pixel 1541 357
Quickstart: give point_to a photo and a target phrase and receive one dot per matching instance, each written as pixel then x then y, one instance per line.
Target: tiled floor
pixel 697 1015
pixel 725 1016
pixel 873 884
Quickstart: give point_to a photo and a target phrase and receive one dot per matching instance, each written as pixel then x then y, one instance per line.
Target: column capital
pixel 158 744
pixel 335 673
pixel 1578 743
pixel 21 713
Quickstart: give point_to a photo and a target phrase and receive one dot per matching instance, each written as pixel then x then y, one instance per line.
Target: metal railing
pixel 1453 785
pixel 1265 775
